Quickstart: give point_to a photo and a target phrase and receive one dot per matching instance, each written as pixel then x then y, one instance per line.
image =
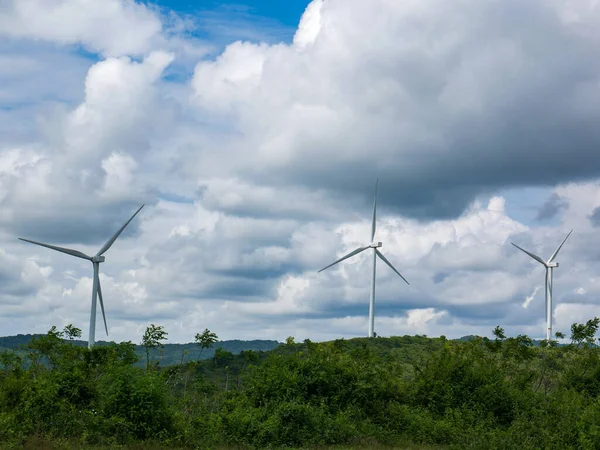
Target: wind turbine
pixel 550 265
pixel 373 245
pixel 96 260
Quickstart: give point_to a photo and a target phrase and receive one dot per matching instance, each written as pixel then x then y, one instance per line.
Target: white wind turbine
pixel 374 246
pixel 550 266
pixel 96 260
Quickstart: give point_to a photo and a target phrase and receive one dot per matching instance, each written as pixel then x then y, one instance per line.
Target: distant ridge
pixel 170 354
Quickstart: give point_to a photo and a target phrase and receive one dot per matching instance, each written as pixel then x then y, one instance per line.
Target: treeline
pixel 503 393
pixel 167 355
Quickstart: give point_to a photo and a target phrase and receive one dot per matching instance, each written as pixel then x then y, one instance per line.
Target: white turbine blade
pixel 68 251
pixel 555 254
pixel 384 259
pixel 352 253
pixel 374 210
pixel 110 242
pixel 536 257
pixel 102 305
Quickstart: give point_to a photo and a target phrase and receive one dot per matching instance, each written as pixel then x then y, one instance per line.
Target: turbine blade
pixel 352 253
pixel 555 254
pixel 68 251
pixel 384 259
pixel 110 242
pixel 374 210
pixel 536 257
pixel 102 305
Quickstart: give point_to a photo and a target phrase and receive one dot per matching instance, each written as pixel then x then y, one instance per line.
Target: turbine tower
pixel 550 265
pixel 373 245
pixel 96 260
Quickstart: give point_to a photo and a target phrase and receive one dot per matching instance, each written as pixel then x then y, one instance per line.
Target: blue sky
pixel 271 21
pixel 254 133
pixel 287 12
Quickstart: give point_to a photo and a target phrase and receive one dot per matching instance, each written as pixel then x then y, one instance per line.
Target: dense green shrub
pixel 504 393
pixel 135 403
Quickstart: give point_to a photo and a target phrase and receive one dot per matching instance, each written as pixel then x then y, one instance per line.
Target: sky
pixel 255 132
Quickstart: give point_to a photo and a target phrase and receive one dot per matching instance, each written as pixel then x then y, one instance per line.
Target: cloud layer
pixel 257 163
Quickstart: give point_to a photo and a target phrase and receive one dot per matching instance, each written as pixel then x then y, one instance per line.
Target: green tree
pixel 499 333
pixel 153 337
pixel 584 333
pixel 45 348
pixel 71 332
pixel 205 340
pixel 222 356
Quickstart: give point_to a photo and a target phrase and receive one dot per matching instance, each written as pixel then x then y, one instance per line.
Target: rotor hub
pixel 553 265
pixel 376 245
pixel 98 259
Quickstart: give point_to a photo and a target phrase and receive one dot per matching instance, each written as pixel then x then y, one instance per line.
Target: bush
pixel 135 404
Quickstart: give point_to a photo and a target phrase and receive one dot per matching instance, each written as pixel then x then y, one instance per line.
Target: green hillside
pixel 404 392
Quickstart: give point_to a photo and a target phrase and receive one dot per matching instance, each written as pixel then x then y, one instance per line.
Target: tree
pixel 205 340
pixel 152 339
pixel 71 332
pixel 45 347
pixel 499 333
pixel 584 333
pixel 250 356
pixel 222 356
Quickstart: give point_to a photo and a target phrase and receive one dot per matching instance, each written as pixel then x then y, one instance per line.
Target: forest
pixel 409 392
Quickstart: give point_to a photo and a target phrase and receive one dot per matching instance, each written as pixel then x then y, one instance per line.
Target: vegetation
pixel 408 392
pixel 153 337
pixel 169 354
pixel 205 340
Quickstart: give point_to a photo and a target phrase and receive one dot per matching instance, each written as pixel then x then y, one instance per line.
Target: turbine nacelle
pixel 98 259
pixel 552 265
pixel 376 245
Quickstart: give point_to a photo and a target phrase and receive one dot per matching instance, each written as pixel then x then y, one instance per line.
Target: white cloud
pixel 419 319
pixel 111 27
pixel 258 168
pixel 530 298
pixel 310 25
pixel 119 96
pixel 119 170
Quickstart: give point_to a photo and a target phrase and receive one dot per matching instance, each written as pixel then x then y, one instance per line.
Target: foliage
pixel 205 340
pixel 153 337
pixel 222 357
pixel 170 353
pixel 503 393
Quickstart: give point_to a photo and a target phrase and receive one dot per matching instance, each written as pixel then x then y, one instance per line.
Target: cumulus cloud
pixel 310 25
pixel 111 27
pixel 441 111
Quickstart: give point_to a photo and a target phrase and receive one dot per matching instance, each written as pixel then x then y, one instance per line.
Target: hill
pixel 405 391
pixel 408 349
pixel 169 355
